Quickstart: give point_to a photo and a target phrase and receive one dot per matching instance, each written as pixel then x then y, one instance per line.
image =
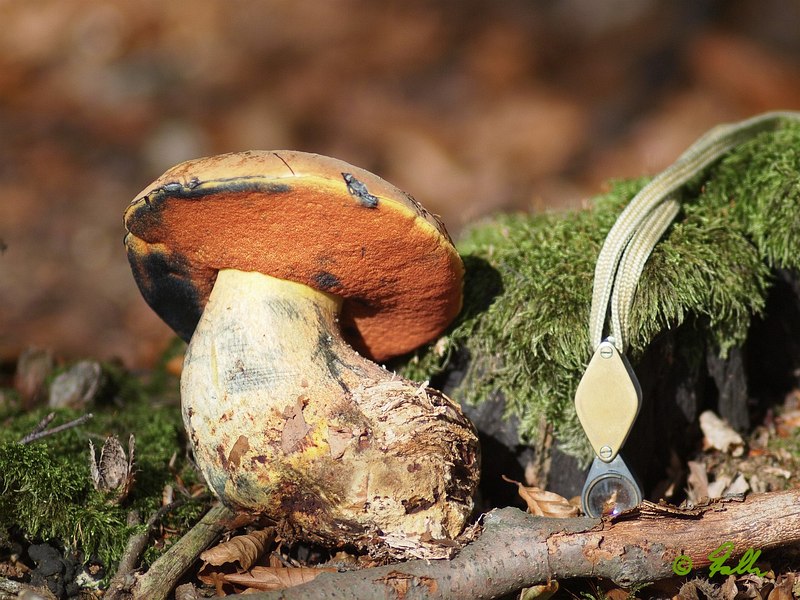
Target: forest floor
pixel 472 107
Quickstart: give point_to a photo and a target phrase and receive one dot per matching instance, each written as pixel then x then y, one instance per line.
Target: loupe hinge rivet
pixel 606 351
pixel 606 452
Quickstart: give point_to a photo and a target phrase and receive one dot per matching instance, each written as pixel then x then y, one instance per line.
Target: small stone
pixel 77 386
pixel 33 368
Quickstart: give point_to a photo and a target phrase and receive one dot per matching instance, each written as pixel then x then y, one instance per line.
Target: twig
pixel 121 582
pixel 42 425
pixel 520 550
pixel 40 432
pixel 163 574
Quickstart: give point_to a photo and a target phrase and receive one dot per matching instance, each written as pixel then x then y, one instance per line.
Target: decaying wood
pixel 518 550
pixel 163 574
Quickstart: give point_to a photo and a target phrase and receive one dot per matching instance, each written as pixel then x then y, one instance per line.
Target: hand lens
pixel 610 489
pixel 607 401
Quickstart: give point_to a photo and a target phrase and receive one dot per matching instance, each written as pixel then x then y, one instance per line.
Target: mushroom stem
pixel 287 420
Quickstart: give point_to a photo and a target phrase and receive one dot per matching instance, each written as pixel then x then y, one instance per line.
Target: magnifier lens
pixel 610 489
pixel 610 495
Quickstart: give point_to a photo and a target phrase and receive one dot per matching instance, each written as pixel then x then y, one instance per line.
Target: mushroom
pixel 284 270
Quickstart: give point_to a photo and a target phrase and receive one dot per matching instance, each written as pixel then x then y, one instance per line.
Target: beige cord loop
pixel 646 218
pixel 631 264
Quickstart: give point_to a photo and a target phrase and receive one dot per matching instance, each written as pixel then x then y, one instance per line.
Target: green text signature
pixel 682 564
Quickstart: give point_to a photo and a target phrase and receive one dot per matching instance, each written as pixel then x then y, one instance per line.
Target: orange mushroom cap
pixel 302 217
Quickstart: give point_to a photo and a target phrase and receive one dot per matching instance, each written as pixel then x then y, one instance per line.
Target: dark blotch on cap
pixel 359 190
pixel 167 287
pixel 196 189
pixel 326 281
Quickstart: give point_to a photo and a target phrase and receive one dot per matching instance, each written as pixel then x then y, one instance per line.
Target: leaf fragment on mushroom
pixel 338 439
pixel 295 429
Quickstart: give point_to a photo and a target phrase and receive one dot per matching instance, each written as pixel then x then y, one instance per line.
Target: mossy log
pixel 715 320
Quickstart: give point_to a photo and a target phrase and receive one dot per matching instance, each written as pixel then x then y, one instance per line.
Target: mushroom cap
pixel 302 217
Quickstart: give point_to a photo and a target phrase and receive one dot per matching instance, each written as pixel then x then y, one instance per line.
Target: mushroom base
pixel 287 421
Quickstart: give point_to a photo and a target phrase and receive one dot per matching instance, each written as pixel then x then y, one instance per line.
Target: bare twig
pixel 520 550
pixel 163 574
pixel 122 581
pixel 40 432
pixel 42 425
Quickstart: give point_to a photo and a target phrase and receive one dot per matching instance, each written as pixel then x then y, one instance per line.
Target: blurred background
pixel 472 106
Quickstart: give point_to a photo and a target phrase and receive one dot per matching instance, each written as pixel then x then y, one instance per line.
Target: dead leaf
pixel 617 593
pixel 750 587
pixel 719 435
pixel 275 578
pixel 697 481
pixel 338 439
pixel 738 487
pixel 728 486
pixel 539 592
pixel 787 423
pixel 295 429
pixel 186 591
pixel 688 591
pixel 242 549
pixel 717 487
pixel 544 504
pixel 728 590
pixel 783 588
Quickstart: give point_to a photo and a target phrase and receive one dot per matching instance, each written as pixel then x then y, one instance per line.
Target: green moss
pixel 45 487
pixel 528 285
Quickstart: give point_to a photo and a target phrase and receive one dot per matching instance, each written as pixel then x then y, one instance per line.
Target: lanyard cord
pixel 608 396
pixel 646 218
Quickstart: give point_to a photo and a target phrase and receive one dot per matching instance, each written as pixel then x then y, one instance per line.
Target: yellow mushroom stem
pixel 289 422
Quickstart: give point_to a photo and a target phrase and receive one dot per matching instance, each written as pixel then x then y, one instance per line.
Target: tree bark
pixel 517 550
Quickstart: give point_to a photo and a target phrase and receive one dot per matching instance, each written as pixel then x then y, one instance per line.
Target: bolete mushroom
pixel 270 263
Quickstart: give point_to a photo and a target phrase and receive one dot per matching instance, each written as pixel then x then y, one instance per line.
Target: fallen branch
pixel 122 580
pixel 519 550
pixel 163 574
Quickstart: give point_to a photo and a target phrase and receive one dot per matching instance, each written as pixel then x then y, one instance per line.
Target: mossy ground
pixel 524 327
pixel 46 491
